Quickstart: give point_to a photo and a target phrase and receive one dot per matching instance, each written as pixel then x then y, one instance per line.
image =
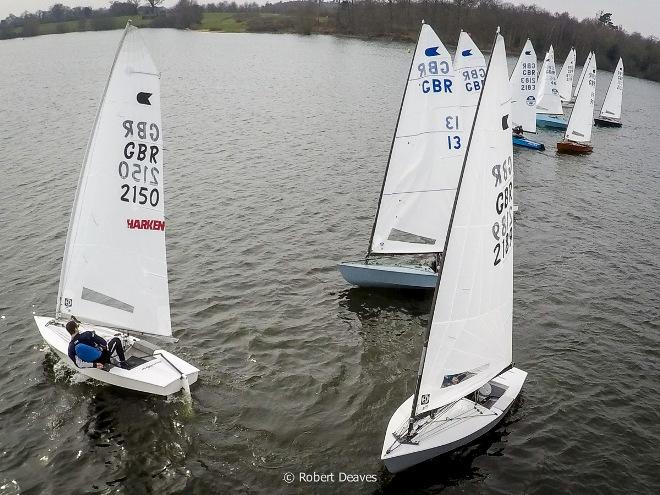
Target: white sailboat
pixel 578 134
pixel 421 175
pixel 549 112
pixel 114 271
pixel 466 382
pixel 565 78
pixel 610 113
pixel 523 98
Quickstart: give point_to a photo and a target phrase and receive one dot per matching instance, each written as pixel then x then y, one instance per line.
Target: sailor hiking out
pixel 88 350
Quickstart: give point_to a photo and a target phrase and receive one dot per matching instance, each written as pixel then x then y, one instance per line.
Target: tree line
pixel 389 19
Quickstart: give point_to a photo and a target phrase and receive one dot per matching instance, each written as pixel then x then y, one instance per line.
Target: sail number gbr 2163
pixel 503 227
pixel 140 166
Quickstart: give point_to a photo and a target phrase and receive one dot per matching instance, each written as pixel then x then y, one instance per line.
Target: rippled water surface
pixel 275 149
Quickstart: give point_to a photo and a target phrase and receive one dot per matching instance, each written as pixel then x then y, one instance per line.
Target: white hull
pixel 155 371
pixel 389 276
pixel 458 425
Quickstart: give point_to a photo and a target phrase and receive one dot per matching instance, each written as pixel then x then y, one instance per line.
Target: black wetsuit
pixel 91 339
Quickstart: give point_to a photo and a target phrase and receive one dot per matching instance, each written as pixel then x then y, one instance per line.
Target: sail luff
pixel 81 177
pixel 441 266
pixel 389 157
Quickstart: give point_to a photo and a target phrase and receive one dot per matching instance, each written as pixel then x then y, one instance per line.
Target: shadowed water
pixel 275 146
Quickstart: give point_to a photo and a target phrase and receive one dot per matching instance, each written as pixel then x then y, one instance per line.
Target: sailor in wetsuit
pixel 88 350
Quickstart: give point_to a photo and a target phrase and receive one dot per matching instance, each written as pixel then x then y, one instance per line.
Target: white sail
pixel 114 271
pixel 613 99
pixel 426 156
pixel 586 62
pixel 548 100
pixel 470 67
pixel 471 326
pixel 565 79
pixel 582 117
pixel 523 90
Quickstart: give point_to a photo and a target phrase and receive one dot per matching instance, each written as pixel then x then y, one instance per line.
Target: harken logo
pixel 145 224
pixel 531 101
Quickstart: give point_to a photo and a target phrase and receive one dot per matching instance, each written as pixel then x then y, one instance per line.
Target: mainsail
pixel 114 271
pixel 548 100
pixel 470 67
pixel 581 121
pixel 579 83
pixel 523 90
pixel 565 79
pixel 469 339
pixel 425 159
pixel 613 99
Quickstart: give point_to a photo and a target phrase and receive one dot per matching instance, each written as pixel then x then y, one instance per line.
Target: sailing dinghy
pixel 466 381
pixel 523 98
pixel 565 78
pixel 114 271
pixel 421 175
pixel 578 134
pixel 610 113
pixel 549 112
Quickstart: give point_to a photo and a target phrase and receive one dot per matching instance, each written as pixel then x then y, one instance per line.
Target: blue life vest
pixel 87 353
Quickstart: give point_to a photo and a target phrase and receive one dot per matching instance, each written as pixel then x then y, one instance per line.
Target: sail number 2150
pixel 140 195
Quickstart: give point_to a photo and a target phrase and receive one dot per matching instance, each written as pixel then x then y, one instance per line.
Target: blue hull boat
pixel 552 121
pixel 527 143
pixel 390 276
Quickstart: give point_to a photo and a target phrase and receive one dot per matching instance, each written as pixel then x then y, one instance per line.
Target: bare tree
pixel 154 4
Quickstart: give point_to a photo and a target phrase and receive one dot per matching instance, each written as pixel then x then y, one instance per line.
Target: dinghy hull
pixel 605 122
pixel 573 148
pixel 462 423
pixel 551 121
pixel 155 371
pixel 388 276
pixel 523 142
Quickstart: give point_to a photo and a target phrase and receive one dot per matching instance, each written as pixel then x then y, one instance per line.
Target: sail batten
pixel 114 271
pixel 427 147
pixel 469 333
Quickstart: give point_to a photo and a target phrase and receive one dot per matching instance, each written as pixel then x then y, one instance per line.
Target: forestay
pixel 523 90
pixel 579 83
pixel 470 67
pixel 114 271
pixel 613 99
pixel 548 100
pixel 565 79
pixel 581 121
pixel 425 159
pixel 471 321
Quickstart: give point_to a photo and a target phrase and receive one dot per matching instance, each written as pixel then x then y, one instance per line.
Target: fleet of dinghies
pixel 447 192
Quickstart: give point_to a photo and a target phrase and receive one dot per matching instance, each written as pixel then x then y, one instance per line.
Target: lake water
pixel 275 150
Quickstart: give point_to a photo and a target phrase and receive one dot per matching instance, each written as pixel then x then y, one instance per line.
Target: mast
pixel 389 157
pixel 411 420
pixel 82 171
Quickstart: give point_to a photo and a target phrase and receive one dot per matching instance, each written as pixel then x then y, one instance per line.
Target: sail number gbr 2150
pixel 140 164
pixel 503 227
